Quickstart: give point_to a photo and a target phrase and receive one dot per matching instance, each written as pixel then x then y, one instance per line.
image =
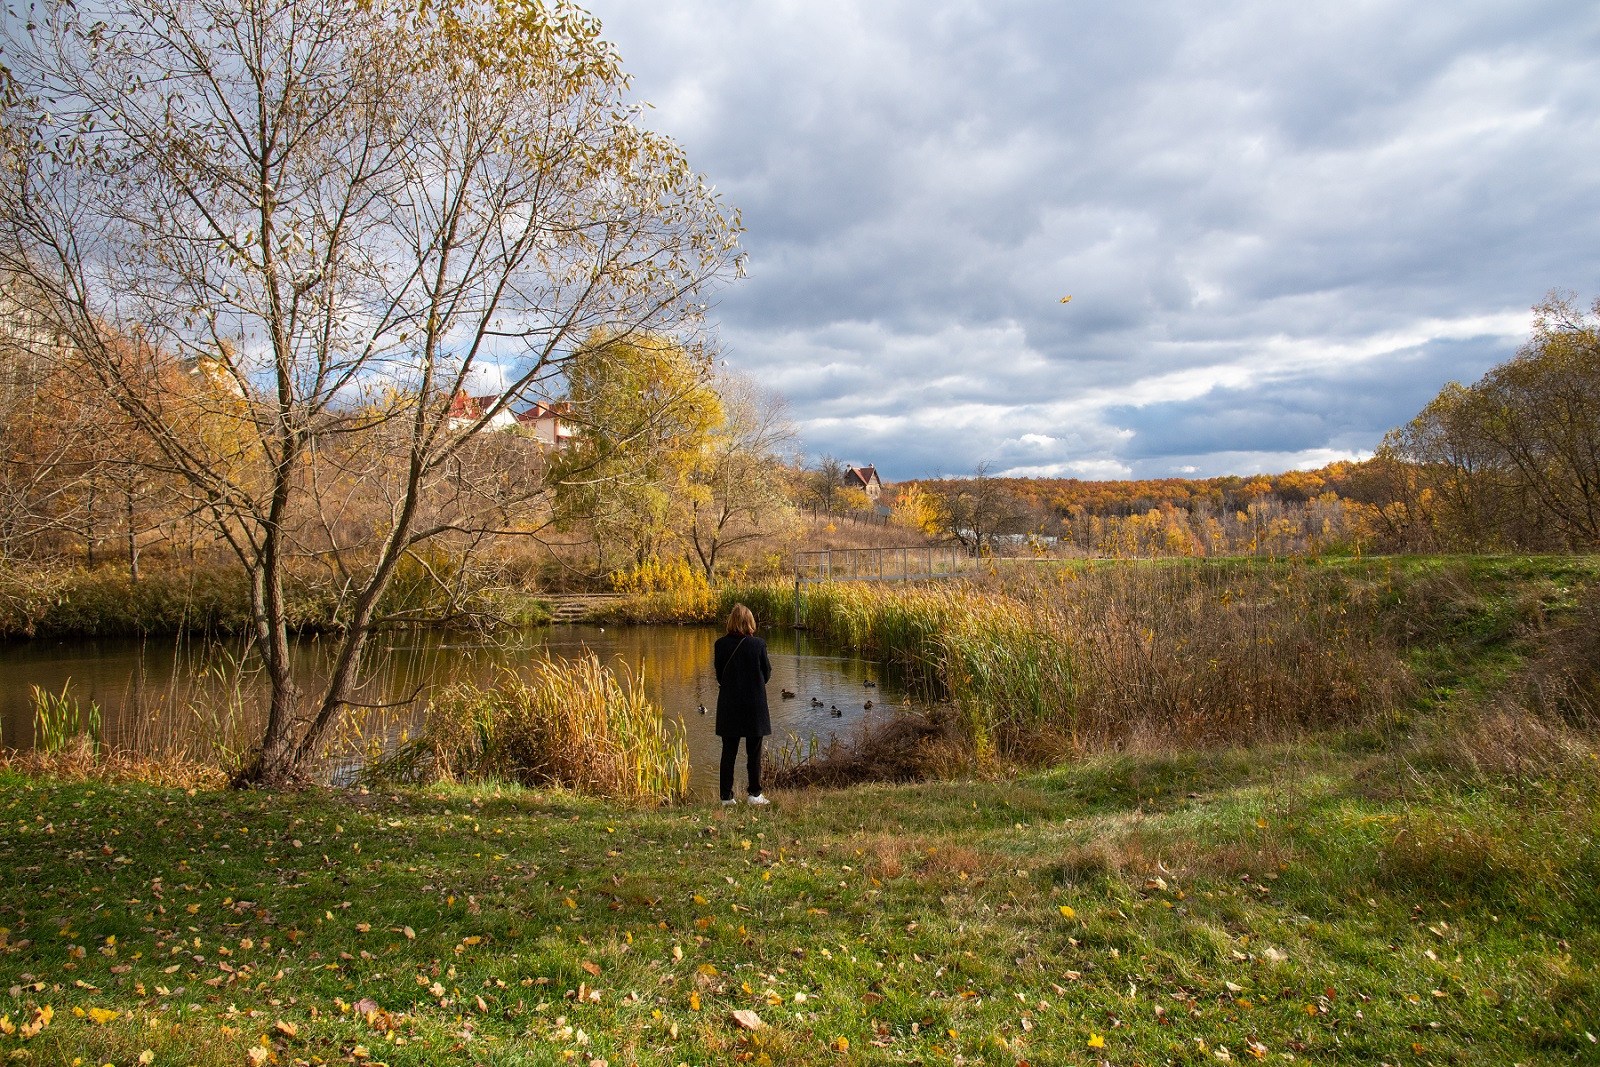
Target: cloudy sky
pixel 1283 225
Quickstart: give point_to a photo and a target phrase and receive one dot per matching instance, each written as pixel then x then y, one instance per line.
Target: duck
pixel 868 705
pixel 788 694
pixel 816 703
pixel 834 711
pixel 870 684
pixel 701 709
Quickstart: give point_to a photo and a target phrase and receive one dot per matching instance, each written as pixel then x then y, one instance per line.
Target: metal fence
pixel 909 564
pixel 882 564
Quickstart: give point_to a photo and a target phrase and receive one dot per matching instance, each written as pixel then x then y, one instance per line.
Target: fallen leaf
pixel 41 1019
pixel 287 1029
pixel 746 1019
pixel 1096 1041
pixel 592 967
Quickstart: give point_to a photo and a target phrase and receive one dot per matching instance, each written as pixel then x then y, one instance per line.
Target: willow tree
pixel 645 410
pixel 346 213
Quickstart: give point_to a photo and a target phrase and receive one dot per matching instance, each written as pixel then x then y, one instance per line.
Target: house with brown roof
pixel 466 410
pixel 548 424
pixel 865 479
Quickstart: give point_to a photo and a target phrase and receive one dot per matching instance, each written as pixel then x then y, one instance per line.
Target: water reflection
pixel 167 694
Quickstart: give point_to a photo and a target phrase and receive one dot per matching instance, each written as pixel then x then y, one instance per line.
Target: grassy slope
pixel 1334 903
pixel 1250 901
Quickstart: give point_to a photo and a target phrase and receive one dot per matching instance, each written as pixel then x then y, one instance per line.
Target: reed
pixel 569 722
pixel 1040 662
pixel 60 721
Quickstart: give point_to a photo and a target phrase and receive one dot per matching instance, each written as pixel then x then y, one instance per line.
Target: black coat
pixel 742 673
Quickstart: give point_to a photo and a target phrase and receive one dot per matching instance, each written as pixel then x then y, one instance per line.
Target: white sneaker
pixel 731 803
pixel 756 798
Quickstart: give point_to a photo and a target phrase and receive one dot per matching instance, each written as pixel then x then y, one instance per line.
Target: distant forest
pixel 1510 462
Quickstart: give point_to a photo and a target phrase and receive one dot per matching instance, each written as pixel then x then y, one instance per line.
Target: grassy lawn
pixel 1320 905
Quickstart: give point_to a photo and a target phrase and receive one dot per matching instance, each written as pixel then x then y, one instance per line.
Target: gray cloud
pixel 1283 227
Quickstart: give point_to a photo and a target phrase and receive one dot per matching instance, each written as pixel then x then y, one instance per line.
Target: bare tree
pixel 740 473
pixel 825 484
pixel 975 511
pixel 342 233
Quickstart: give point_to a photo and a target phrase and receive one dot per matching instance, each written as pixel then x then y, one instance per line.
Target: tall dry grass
pixel 1039 662
pixel 574 723
pixel 1539 727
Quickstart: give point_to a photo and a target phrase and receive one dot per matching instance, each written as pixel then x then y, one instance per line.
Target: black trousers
pixel 752 762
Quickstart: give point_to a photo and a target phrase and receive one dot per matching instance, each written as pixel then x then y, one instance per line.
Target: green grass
pixel 1325 903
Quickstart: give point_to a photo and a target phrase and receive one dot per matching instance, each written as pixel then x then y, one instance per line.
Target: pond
pixel 166 695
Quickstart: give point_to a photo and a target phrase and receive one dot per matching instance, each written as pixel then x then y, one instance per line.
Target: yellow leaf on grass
pixel 1067 912
pixel 694 1001
pixel 101 1016
pixel 147 1057
pixel 1096 1041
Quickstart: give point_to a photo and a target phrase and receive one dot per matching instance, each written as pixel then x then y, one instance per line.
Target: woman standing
pixel 740 660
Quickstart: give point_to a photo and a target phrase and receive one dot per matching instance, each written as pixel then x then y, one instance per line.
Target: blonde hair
pixel 741 620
